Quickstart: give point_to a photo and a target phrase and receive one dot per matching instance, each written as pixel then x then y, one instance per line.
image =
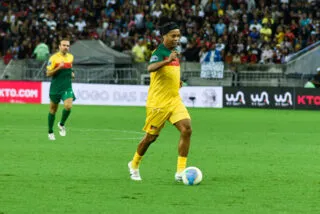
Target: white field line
pixel 12 128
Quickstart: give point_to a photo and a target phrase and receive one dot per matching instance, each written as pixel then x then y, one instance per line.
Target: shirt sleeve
pixel 51 64
pixel 156 57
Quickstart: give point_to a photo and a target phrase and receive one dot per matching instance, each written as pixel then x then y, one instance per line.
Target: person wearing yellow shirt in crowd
pixel 268 19
pixel 169 7
pixel 279 35
pixel 139 51
pixel 164 102
pixel 265 33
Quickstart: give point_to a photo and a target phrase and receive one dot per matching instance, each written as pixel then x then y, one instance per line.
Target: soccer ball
pixel 191 176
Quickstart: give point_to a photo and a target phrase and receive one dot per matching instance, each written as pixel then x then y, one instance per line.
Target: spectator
pixel 41 52
pixel 229 58
pixel 235 75
pixel 236 59
pixel 80 24
pixel 243 58
pixel 15 49
pixel 107 20
pixel 256 25
pixel 279 35
pixel 314 82
pixel 254 34
pixel 266 32
pixel 267 55
pixel 253 59
pixel 139 51
pixel 7 57
pixel 220 27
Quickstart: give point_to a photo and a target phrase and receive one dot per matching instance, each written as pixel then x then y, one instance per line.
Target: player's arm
pixel 155 66
pixel 51 69
pixel 51 73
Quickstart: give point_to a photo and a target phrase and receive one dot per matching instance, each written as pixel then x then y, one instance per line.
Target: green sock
pixel 51 118
pixel 65 115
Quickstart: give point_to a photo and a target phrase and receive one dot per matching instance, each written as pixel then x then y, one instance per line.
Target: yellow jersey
pixel 62 80
pixel 164 82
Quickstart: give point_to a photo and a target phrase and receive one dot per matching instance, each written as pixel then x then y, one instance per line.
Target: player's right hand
pixel 173 56
pixel 61 65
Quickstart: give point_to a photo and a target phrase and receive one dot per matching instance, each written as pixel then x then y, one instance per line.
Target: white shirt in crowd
pixel 80 24
pixel 257 26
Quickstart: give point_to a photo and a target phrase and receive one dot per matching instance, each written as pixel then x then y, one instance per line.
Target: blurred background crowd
pixel 244 31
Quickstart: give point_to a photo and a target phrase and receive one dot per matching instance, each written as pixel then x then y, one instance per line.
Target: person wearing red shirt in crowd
pixel 289 34
pixel 253 59
pixel 243 58
pixel 7 57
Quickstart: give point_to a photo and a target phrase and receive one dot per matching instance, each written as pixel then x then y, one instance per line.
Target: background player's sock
pixel 51 118
pixel 65 115
pixel 181 164
pixel 136 160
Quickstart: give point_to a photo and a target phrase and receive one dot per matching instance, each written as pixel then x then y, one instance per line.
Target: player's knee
pixel 186 130
pixel 53 110
pixel 68 106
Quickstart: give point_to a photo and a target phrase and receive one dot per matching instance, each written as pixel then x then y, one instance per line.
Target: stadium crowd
pixel 246 31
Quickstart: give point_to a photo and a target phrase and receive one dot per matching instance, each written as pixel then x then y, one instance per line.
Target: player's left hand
pixel 72 75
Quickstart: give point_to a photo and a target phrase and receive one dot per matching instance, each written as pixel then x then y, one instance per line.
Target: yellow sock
pixel 136 160
pixel 182 163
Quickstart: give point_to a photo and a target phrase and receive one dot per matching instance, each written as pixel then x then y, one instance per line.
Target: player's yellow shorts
pixel 55 98
pixel 156 117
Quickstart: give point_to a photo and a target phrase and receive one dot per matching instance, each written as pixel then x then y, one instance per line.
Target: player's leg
pixel 51 117
pixel 155 121
pixel 141 150
pixel 67 105
pixel 181 119
pixel 68 98
pixel 184 127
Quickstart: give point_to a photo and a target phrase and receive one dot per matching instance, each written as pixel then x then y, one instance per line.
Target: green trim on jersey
pixel 159 54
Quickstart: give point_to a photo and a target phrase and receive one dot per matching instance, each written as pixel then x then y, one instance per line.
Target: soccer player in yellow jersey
pixel 164 102
pixel 60 69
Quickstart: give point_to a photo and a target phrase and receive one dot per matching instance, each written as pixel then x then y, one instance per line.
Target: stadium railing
pixel 270 75
pixel 36 71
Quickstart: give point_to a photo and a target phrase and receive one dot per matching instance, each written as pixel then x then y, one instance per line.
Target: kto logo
pixel 260 100
pixel 283 100
pixel 308 100
pixel 235 100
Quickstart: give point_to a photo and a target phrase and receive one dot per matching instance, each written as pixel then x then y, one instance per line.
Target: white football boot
pixel 62 130
pixel 51 136
pixel 134 173
pixel 178 177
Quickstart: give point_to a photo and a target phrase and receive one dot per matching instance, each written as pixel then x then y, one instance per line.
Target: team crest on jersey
pixel 154 58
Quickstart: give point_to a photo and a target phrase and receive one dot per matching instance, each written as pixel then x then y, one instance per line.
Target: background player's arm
pixel 52 72
pixel 155 66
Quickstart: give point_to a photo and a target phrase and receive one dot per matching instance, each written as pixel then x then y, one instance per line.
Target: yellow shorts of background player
pixel 156 117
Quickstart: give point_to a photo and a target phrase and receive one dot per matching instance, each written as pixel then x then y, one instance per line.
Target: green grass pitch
pixel 253 161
